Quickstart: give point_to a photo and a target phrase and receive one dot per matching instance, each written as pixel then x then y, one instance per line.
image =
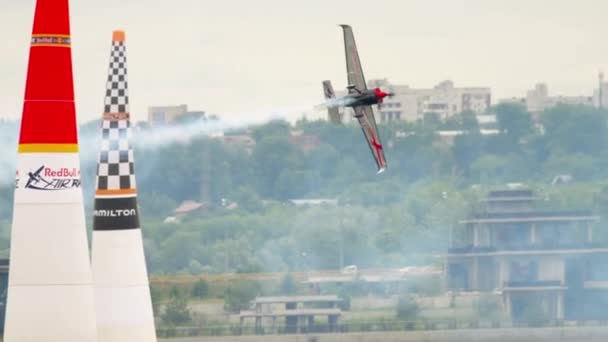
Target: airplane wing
pixel 365 115
pixel 353 64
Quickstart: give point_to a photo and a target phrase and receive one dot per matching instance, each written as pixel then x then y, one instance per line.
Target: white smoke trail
pixel 154 137
pixel 184 133
pixel 338 102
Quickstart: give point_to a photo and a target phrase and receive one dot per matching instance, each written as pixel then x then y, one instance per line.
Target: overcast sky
pixel 244 57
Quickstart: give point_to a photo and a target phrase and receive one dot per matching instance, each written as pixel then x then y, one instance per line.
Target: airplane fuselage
pixel 363 98
pixel 366 98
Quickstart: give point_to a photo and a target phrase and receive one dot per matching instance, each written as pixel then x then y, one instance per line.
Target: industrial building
pixel 534 259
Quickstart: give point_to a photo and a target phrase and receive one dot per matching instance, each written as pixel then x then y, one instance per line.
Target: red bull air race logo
pixel 52 179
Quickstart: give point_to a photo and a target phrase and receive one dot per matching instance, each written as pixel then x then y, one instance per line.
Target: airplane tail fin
pixel 332 110
pixel 328 90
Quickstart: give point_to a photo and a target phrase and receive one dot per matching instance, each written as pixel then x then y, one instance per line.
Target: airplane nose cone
pixel 381 94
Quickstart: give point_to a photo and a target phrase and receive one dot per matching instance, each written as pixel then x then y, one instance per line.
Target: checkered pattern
pixel 115 168
pixel 117 97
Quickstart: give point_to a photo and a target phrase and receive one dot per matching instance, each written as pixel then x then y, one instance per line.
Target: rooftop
pixel 530 216
pixel 294 312
pixel 296 299
pixel 188 206
pixel 510 195
pixel 559 250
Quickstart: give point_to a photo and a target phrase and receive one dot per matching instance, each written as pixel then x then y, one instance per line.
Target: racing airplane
pixel 359 98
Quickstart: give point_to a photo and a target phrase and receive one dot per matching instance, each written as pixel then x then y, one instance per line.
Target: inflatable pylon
pixel 50 292
pixel 122 292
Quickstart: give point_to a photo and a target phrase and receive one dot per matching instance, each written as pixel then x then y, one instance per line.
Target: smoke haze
pixel 154 137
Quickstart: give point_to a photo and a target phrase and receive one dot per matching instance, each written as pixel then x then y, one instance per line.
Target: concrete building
pixel 163 115
pixel 538 99
pixel 546 260
pixel 299 313
pixel 410 104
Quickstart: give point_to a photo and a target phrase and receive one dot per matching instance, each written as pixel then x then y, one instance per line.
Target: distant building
pixel 538 99
pixel 298 312
pixel 243 141
pixel 547 261
pixel 304 142
pixel 186 208
pixel 170 114
pixel 449 136
pixel 411 104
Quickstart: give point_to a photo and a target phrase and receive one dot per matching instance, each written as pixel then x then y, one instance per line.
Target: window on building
pixel 398 115
pixel 437 106
pixel 398 104
pixel 158 117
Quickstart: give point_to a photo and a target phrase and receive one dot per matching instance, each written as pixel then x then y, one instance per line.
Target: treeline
pixel 563 140
pixel 397 218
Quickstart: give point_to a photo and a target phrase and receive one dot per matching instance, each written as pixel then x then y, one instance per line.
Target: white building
pixel 411 104
pixel 538 99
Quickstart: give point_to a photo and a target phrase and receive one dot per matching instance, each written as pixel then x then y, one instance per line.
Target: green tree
pixel 469 122
pixel 272 156
pixel 431 121
pixel 275 128
pixel 513 121
pixel 156 297
pixel 288 285
pixel 466 149
pixel 294 184
pixel 580 166
pixel 176 311
pixel 488 167
pixel 239 294
pixel 200 289
pixel 576 129
pixel 247 199
pixel 156 205
pixel 407 308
